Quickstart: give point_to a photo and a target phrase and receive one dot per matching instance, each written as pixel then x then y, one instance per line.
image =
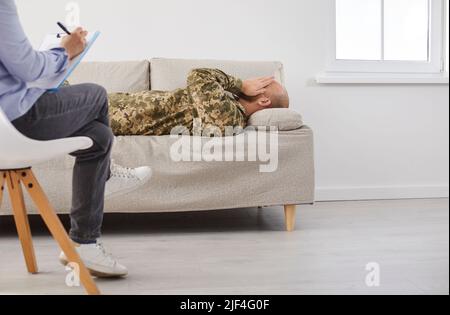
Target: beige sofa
pixel 192 185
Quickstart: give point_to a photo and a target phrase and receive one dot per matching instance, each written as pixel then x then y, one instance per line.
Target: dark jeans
pixel 79 110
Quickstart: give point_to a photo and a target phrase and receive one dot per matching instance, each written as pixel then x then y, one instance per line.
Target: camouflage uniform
pixel 208 98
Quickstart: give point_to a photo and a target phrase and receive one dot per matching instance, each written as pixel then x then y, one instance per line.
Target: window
pixel 389 37
pixel 446 35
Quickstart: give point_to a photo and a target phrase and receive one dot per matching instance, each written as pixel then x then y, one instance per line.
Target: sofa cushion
pixel 195 185
pixel 127 77
pixel 283 119
pixel 171 74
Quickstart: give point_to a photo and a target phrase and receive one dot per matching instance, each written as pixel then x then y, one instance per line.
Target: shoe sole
pixel 129 190
pixel 94 273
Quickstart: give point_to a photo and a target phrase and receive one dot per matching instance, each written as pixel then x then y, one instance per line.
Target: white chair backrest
pixel 8 134
pixel 18 151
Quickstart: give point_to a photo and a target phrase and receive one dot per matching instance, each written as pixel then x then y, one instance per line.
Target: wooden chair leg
pixel 57 229
pixel 2 187
pixel 21 220
pixel 289 212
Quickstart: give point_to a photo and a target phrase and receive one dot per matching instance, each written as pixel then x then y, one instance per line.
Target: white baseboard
pixel 382 192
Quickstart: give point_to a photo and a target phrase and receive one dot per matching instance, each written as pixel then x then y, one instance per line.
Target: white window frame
pixel 382 71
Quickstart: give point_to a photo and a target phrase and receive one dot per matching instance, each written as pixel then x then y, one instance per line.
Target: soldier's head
pixel 275 96
pixel 278 95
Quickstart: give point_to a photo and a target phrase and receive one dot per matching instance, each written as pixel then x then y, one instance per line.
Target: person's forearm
pixel 228 82
pixel 17 54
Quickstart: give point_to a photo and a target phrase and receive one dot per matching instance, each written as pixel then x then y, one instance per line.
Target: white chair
pixel 17 154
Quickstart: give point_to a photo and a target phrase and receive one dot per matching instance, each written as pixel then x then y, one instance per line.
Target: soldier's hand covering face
pixel 255 87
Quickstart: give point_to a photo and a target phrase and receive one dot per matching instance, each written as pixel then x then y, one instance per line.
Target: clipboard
pixel 54 83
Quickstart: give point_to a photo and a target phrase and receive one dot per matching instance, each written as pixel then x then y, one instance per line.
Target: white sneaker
pixel 124 180
pixel 98 261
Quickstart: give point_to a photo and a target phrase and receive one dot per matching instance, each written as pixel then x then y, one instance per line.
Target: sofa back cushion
pixel 170 74
pixel 127 76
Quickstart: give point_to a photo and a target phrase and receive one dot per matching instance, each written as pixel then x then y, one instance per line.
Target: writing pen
pixel 64 28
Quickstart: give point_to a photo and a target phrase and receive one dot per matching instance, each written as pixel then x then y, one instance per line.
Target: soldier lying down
pixel 211 97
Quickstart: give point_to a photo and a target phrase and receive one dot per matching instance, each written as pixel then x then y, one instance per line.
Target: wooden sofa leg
pixel 57 229
pixel 2 186
pixel 21 220
pixel 289 212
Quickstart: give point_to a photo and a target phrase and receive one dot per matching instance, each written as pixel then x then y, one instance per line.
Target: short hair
pixel 278 95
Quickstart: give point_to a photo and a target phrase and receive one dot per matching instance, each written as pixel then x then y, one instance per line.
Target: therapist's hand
pixel 74 44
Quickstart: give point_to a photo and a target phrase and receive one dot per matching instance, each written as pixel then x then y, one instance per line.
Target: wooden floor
pixel 248 252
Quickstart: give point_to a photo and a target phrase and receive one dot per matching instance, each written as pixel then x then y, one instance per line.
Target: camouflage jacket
pixel 208 98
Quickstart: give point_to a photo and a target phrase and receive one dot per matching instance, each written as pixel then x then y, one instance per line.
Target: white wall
pixel 371 141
